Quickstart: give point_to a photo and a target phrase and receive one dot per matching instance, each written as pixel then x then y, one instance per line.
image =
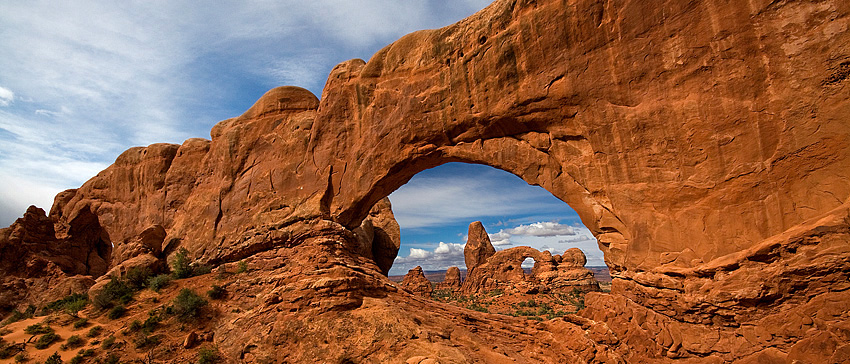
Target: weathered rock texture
pixel 503 271
pixel 704 143
pixel 452 281
pixel 416 283
pixel 478 247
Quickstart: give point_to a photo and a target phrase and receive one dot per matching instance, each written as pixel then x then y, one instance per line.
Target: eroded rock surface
pixel 452 281
pixel 416 283
pixel 503 270
pixel 478 247
pixel 704 143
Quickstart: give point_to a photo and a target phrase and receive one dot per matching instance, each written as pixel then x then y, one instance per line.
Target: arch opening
pixel 435 207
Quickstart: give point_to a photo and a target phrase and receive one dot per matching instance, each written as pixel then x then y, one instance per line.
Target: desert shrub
pixel 187 305
pixel 108 343
pixel 208 355
pixel 22 357
pixel 77 359
pixel 116 312
pixel 15 317
pixel 38 329
pixel 145 341
pixel 443 295
pixel 242 266
pixel 94 331
pixel 86 353
pixel 136 325
pixel 475 306
pixel 54 359
pixel 115 291
pixel 216 292
pixel 158 282
pixel 496 292
pixel 81 323
pixel 112 358
pixel 74 341
pixel 180 266
pixel 200 269
pixel 137 277
pixel 72 304
pixel 46 340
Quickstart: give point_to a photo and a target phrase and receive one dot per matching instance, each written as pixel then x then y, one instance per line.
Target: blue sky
pixel 435 207
pixel 82 81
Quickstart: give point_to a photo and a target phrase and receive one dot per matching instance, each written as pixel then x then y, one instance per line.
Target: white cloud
pixel 6 96
pixel 438 201
pixel 443 256
pixel 547 228
pixel 500 239
pixel 91 80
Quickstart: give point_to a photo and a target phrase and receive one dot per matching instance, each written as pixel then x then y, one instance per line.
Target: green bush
pixel 242 267
pixel 137 277
pixel 112 358
pixel 74 341
pixel 21 357
pixel 72 304
pixel 116 312
pixel 94 331
pixel 81 323
pixel 136 325
pixel 54 359
pixel 16 316
pixel 115 291
pixel 46 340
pixel 216 292
pixel 475 306
pixel 187 305
pixel 108 343
pixel 208 355
pixel 180 267
pixel 38 329
pixel 158 282
pixel 144 341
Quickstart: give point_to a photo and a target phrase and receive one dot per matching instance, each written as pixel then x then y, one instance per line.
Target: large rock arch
pixel 704 143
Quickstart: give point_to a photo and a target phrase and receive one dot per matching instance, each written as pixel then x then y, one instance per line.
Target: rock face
pixel 416 283
pixel 478 247
pixel 452 281
pixel 503 270
pixel 703 143
pixel 39 266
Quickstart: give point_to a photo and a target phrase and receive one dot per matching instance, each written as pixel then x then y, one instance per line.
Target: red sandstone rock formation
pixel 478 247
pixel 504 271
pixel 452 281
pixel 704 143
pixel 416 283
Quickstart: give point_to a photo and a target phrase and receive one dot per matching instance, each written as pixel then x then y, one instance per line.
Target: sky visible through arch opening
pixel 435 207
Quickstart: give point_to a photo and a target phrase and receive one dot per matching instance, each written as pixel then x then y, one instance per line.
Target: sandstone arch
pixel 704 144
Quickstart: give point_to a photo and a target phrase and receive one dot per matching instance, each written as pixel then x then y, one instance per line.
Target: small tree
pixel 180 267
pixel 54 359
pixel 187 305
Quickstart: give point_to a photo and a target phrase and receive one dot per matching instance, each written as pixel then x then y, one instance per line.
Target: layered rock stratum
pixel 703 143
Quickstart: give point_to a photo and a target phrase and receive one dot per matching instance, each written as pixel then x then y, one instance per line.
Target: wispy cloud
pixel 6 96
pixel 439 200
pixel 81 82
